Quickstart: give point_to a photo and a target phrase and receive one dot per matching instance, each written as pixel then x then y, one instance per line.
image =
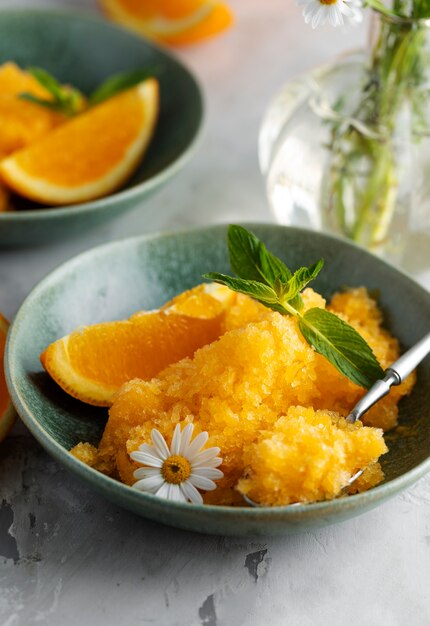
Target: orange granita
pixel 88 454
pixel 252 389
pixel 307 456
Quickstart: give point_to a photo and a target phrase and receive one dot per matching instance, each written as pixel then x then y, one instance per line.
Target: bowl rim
pixel 122 194
pixel 107 485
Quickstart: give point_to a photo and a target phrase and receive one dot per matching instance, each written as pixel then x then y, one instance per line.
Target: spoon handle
pixel 394 375
pixel 408 361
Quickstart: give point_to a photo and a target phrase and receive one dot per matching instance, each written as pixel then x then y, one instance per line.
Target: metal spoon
pixel 394 375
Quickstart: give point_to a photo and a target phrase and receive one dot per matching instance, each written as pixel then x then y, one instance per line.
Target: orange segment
pixel 90 155
pixel 174 22
pixel 22 122
pixel 92 363
pixel 14 81
pixel 169 9
pixel 206 301
pixel 7 412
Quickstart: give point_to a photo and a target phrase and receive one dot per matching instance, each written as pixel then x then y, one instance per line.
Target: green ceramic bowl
pixel 84 51
pixel 115 280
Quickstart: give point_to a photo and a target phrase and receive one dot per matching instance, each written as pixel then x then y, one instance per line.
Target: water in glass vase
pixel 340 155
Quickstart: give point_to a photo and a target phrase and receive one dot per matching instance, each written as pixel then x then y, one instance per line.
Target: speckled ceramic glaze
pixel 84 51
pixel 113 281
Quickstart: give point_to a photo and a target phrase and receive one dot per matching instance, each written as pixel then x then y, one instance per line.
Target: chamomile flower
pixel 335 12
pixel 177 473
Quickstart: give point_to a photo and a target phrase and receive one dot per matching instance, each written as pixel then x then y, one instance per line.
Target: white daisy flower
pixel 335 12
pixel 177 473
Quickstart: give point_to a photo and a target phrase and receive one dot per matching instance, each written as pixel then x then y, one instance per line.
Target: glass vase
pixel 346 148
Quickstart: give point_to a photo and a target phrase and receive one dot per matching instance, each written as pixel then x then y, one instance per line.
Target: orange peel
pixel 93 362
pixel 174 22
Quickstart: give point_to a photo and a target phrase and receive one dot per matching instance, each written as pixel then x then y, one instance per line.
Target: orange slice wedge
pixel 22 122
pixel 89 156
pixel 174 22
pixel 93 362
pixel 7 412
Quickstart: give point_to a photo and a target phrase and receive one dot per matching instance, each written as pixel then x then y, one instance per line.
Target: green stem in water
pixel 394 78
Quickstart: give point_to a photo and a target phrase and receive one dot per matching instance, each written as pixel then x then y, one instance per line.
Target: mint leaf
pixel 263 293
pixel 250 259
pixel 305 275
pixel 265 278
pixel 289 292
pixel 48 81
pixel 117 83
pixel 65 99
pixel 49 104
pixel 342 345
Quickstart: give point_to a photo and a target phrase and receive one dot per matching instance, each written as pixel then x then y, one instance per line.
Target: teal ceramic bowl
pixel 115 280
pixel 84 51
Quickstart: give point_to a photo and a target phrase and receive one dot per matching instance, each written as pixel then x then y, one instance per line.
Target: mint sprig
pixel 69 100
pixel 267 279
pixel 117 83
pixel 64 99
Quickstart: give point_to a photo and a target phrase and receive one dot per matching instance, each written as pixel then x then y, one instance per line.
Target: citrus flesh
pixel 93 362
pixel 22 122
pixel 175 22
pixel 14 81
pixel 89 156
pixel 7 412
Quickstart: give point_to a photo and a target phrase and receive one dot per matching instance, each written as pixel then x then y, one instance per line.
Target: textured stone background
pixel 68 557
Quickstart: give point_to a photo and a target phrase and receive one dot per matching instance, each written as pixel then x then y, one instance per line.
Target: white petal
pixel 176 494
pixel 345 9
pixel 146 459
pixel 191 493
pixel 196 445
pixel 208 472
pixel 201 482
pixel 352 13
pixel 144 472
pixel 145 447
pixel 335 16
pixel 320 17
pixel 205 456
pixel 309 11
pixel 170 491
pixel 160 444
pixel 175 446
pixel 151 484
pixel 211 463
pixel 163 491
pixel 187 433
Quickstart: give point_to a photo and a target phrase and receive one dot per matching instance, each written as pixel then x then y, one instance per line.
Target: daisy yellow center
pixel 328 1
pixel 176 469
